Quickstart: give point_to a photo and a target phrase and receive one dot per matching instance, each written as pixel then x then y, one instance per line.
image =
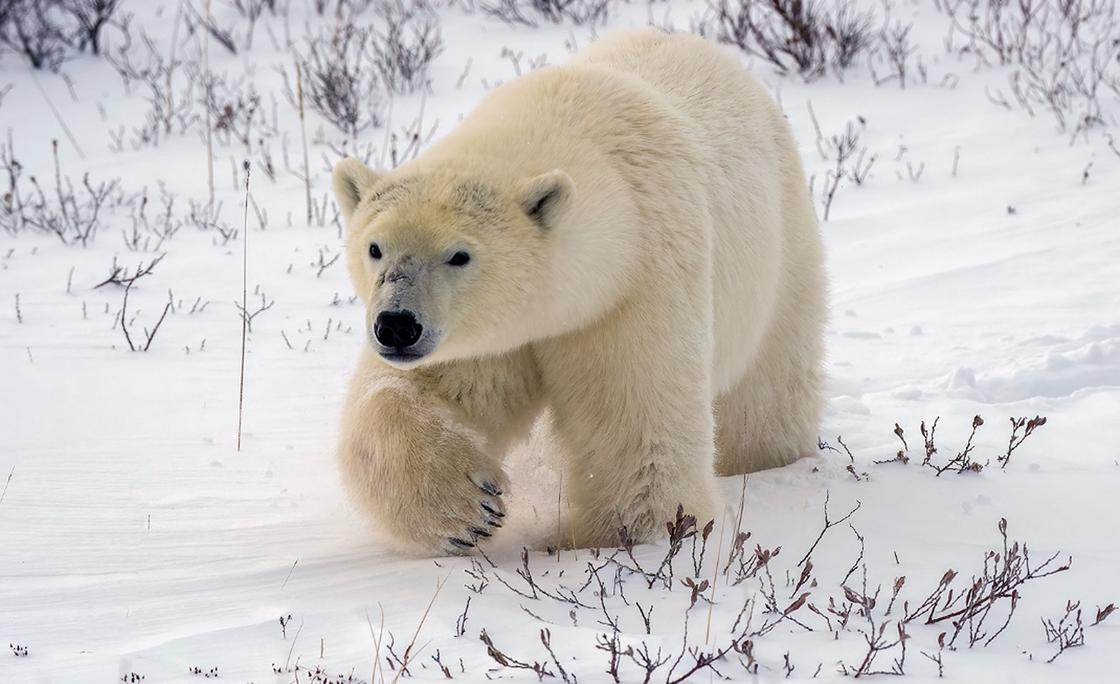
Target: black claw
pixel 479 532
pixel 490 488
pixel 497 514
pixel 493 523
pixel 460 543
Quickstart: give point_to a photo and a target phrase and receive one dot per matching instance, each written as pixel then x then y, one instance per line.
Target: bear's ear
pixel 351 178
pixel 545 197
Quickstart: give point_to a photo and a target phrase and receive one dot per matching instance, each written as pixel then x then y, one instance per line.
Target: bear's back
pixel 701 79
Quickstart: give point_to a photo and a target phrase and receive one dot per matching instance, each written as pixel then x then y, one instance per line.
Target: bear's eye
pixel 374 251
pixel 459 259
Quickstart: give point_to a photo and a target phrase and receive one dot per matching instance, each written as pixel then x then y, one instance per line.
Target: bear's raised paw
pixel 491 513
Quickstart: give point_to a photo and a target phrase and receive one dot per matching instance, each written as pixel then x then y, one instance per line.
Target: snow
pixel 136 538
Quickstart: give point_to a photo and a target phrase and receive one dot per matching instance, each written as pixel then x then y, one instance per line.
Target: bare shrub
pixel 121 276
pixel 1063 53
pixel 339 82
pixel 235 107
pixel 848 31
pixel 169 110
pixel 895 49
pixel 842 147
pixel 875 634
pixel 342 8
pixel 533 63
pixel 1068 632
pixel 1028 427
pixel 536 667
pixel 252 10
pixel 125 321
pixel 963 461
pixel 73 214
pixel 36 30
pixel 968 608
pixel 148 233
pixel 972 613
pixel 404 52
pixel 12 202
pixel 532 12
pixel 195 21
pixel 44 31
pixel 91 17
pixel 800 36
pixel 841 150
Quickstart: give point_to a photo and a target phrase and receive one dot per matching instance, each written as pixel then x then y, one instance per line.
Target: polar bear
pixel 626 241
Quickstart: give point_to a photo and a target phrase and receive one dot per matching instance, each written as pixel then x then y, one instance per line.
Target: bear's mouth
pixel 406 356
pixel 401 355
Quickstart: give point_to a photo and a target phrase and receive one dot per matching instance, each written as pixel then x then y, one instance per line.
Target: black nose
pixel 397 329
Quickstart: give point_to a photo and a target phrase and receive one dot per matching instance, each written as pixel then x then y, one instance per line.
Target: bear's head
pixel 448 262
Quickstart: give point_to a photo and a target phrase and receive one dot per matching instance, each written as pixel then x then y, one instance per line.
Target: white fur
pixel 667 306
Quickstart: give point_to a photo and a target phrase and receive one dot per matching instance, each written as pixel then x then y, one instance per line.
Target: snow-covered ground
pixel 975 272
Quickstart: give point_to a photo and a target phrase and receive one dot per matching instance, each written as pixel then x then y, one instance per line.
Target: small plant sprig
pixel 119 275
pixel 1005 572
pixel 211 673
pixel 680 529
pixel 497 655
pixel 1068 632
pixel 962 462
pixel 1103 613
pixel 1028 427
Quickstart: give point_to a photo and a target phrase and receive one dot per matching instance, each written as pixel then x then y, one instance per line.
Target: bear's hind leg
pixel 770 417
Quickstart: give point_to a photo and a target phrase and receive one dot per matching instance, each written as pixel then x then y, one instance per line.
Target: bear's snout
pixel 397 329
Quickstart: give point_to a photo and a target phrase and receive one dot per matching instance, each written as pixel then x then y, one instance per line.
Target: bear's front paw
pixel 472 516
pixel 430 488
